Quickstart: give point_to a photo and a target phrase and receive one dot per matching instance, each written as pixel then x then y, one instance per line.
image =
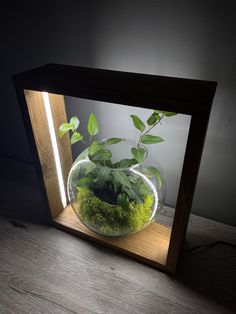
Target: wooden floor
pixel 44 270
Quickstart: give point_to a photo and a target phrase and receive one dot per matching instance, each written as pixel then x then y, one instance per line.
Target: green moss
pixel 112 219
pixel 139 214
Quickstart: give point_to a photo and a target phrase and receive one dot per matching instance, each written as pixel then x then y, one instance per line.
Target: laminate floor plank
pixel 44 270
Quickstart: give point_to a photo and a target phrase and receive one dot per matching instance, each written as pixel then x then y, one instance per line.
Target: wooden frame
pixel 157 245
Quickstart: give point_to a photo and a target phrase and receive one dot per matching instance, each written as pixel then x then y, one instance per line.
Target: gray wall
pixel 193 39
pixel 115 121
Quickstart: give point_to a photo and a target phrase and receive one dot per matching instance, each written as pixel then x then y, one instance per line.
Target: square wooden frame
pixel 157 245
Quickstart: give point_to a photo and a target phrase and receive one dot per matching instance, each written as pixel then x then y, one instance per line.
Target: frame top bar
pixel 143 90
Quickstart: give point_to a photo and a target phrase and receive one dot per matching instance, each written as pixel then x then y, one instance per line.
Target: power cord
pixel 209 245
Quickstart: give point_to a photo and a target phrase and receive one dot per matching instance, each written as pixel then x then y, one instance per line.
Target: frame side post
pixel 42 135
pixel 196 138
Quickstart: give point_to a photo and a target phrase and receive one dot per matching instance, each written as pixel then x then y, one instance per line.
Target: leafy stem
pixel 150 128
pixel 145 137
pixel 120 184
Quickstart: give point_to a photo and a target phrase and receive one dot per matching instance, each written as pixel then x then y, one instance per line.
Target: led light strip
pixel 48 111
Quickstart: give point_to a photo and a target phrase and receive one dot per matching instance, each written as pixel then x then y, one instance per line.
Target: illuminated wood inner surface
pixel 38 119
pixel 149 245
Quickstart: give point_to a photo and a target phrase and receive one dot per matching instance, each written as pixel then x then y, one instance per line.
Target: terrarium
pixel 114 186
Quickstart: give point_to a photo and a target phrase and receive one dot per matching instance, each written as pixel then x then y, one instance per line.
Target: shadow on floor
pixel 211 272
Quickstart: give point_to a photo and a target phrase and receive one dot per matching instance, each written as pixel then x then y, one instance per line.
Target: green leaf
pixel 86 181
pixel 95 147
pixel 75 137
pixel 122 178
pixel 138 153
pixel 104 174
pixel 102 154
pixel 123 200
pixel 132 192
pixel 151 139
pixel 108 163
pixel 65 127
pixel 93 126
pixel 74 121
pixel 138 123
pixel 89 168
pixel 154 171
pixel 166 113
pixel 153 118
pixel 134 179
pixel 114 140
pixel 170 114
pixel 144 189
pixel 116 185
pixel 125 163
pixel 160 111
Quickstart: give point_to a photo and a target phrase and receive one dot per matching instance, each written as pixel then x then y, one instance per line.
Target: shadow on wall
pixel 33 34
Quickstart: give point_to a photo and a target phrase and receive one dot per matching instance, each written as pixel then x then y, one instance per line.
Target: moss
pixel 112 219
pixel 139 214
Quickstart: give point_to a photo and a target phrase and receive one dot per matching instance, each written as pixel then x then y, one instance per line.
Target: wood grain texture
pixel 35 104
pixel 150 245
pixel 44 270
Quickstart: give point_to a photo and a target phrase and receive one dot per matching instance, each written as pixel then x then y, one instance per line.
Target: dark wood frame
pixel 187 96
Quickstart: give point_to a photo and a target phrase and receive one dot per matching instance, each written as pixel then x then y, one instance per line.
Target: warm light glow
pixel 55 148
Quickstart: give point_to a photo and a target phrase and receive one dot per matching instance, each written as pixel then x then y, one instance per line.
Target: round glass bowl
pixel 114 200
